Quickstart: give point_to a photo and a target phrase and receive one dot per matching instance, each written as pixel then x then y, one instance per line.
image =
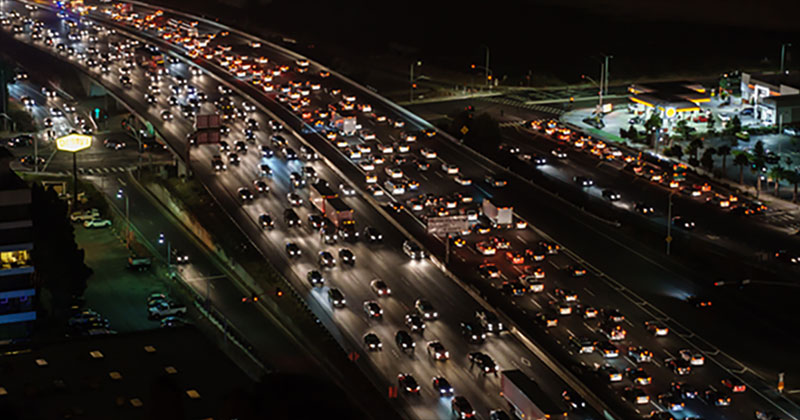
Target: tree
pixel 741 160
pixel 793 177
pixel 776 173
pixel 694 147
pixel 723 151
pixel 675 151
pixel 708 159
pixel 736 124
pixel 758 150
pixel 654 123
pixel 684 130
pixel 59 261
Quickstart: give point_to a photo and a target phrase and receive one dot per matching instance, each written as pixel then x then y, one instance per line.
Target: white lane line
pixel 522 240
pixel 628 321
pixel 589 291
pixel 536 303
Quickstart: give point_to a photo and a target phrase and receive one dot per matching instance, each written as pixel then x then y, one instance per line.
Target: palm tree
pixel 724 151
pixel 741 160
pixel 776 173
pixel 793 177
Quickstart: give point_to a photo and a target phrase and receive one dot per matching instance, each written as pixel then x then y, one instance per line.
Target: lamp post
pixel 489 73
pixel 486 67
pixel 121 194
pixel 411 82
pixel 783 55
pixel 605 74
pixel 74 143
pixel 599 91
pixel 668 239
pixel 161 241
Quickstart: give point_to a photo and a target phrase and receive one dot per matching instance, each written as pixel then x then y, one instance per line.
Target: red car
pixel 515 257
pixel 734 385
pixel 700 118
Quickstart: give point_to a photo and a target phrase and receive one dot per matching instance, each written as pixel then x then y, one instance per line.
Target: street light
pixel 411 81
pixel 668 239
pixel 489 73
pixel 783 54
pixel 161 240
pixel 74 143
pixel 120 195
pixel 599 92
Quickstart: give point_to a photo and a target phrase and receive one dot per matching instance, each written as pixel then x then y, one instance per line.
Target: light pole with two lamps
pixel 120 195
pixel 412 83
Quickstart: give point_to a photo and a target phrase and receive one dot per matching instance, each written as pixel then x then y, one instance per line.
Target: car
pixel 294 199
pixel 735 385
pixel 489 271
pixel 461 408
pixel 638 376
pixel 787 257
pixel 97 223
pixel 515 258
pixel 484 362
pixel 566 295
pixel 372 309
pixel 558 153
pixel 495 182
pixel 404 341
pixel 173 322
pixel 245 195
pixel 683 222
pixel 380 288
pixel 473 332
pixel 513 288
pixel 21 140
pixel 84 215
pixel 671 401
pixel 442 386
pixel 407 383
pixel 609 373
pixel 315 278
pixel 636 395
pixel 644 208
pixel 611 195
pixel 114 143
pixel 347 257
pixel 679 366
pixel 293 250
pixel 415 323
pixel 656 328
pixel 699 301
pixel 179 257
pixel 640 354
pixel 683 390
pixel 582 181
pixel 265 221
pixel 336 297
pixel 233 159
pixel 693 357
pixel 166 115
pixel 373 235
pixel 413 251
pixel 449 168
pixel 576 271
pixel 372 342
pixel 766 415
pixel 716 398
pixel 437 351
pixel 607 349
pixel 326 259
pixel 582 344
pixel 573 400
pixel 613 332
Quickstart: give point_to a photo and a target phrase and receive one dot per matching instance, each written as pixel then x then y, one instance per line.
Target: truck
pixel 344 121
pixel 139 258
pixel 329 204
pixel 501 216
pixel 526 399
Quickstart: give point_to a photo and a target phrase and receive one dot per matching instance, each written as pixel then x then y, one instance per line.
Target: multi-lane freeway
pixel 577 317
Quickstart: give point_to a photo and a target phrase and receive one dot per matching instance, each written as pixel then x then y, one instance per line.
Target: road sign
pixel 780 382
pixel 668 239
pixel 447 224
pixel 464 130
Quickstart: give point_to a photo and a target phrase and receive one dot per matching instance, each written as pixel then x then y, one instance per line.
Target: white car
pixel 394 172
pixel 166 308
pixel 375 190
pixel 449 168
pixel 428 153
pixel 84 215
pixel 97 223
pixel 694 358
pixel 346 189
pixel 380 287
pixel 462 180
pixel 366 165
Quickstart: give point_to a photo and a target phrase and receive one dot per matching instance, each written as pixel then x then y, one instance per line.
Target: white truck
pixel 527 400
pixel 85 215
pixel 501 216
pixel 164 308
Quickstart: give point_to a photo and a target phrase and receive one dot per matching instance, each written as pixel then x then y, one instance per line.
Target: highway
pixel 408 280
pixel 411 280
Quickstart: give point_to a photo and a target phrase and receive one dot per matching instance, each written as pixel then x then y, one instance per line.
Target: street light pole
pixel 783 54
pixel 411 80
pixel 74 178
pixel 488 81
pixel 668 239
pixel 605 80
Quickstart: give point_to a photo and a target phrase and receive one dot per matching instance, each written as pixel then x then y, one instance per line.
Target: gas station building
pixel 775 97
pixel 671 100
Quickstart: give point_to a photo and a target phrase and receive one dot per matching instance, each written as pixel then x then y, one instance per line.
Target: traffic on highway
pixel 341 191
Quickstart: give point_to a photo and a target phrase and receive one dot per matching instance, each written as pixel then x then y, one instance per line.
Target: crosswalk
pixel 784 220
pixel 100 171
pixel 508 124
pixel 520 104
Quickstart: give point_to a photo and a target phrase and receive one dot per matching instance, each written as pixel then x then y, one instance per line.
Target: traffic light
pixel 278 292
pixel 472 66
pixel 414 85
pixel 97 113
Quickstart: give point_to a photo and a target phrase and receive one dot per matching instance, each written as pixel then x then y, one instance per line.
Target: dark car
pixel 265 221
pixel 407 383
pixel 373 235
pixel 404 341
pixel 415 323
pixel 372 342
pixel 293 250
pixel 442 386
pixel 336 297
pixel 485 363
pixel 573 400
pixel 644 208
pixel 291 218
pixel 462 409
pixel 473 332
pixel 20 141
pixel 347 257
pixel 611 195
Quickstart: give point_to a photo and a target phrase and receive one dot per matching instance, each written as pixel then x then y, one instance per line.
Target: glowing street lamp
pixel 74 143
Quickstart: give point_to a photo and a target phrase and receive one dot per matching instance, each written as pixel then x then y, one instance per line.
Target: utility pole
pixel 411 83
pixel 600 93
pixel 605 82
pixel 488 81
pixel 783 55
pixel 668 239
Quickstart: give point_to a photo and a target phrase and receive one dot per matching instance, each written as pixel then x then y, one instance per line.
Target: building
pixel 166 373
pixel 671 100
pixel 17 292
pixel 774 97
